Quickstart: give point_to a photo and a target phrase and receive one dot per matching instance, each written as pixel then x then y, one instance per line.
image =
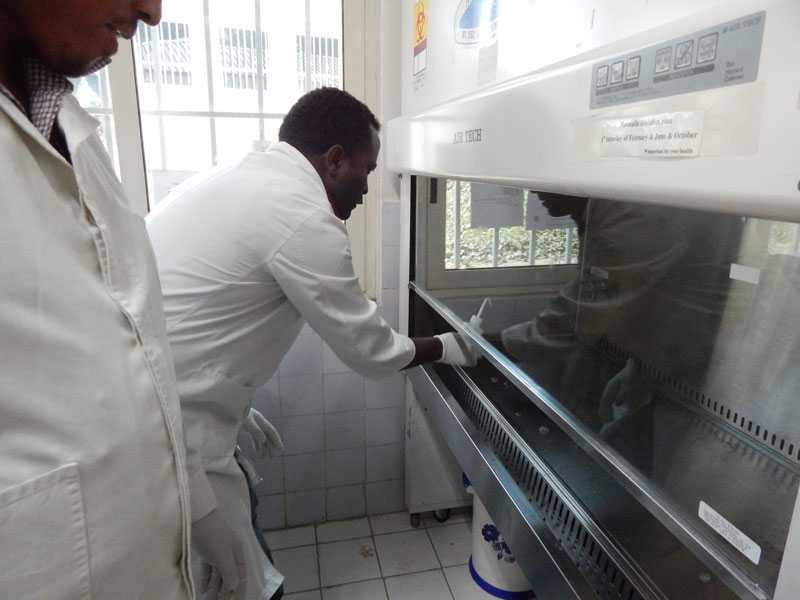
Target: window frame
pixel 359 54
pixel 431 252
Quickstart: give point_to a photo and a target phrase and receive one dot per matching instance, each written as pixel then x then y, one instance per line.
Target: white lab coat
pixel 247 254
pixel 94 492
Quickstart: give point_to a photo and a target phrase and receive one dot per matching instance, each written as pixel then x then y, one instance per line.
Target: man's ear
pixel 334 158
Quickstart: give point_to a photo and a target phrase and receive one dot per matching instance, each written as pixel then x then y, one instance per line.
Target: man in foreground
pixel 248 254
pixel 94 479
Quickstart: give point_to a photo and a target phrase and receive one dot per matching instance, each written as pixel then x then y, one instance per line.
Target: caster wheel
pixel 441 515
pixel 416 520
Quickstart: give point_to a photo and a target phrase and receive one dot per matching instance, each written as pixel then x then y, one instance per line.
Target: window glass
pixel 94 94
pixel 489 226
pixel 212 87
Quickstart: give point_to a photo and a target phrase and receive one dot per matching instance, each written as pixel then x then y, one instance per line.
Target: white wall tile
pixel 391 267
pixel 267 399
pixel 385 462
pixel 385 497
pixel 303 508
pixel 344 430
pixel 303 434
pixel 346 502
pixel 390 224
pixel 304 472
pixel 302 395
pixel 271 471
pixel 305 356
pixel 389 307
pixel 271 512
pixel 388 392
pixel 343 392
pixel 344 467
pixel 332 363
pixel 385 426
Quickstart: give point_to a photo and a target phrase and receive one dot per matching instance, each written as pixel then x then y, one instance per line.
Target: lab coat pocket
pixel 44 551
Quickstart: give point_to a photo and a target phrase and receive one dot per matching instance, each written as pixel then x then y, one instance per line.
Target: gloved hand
pixel 624 394
pixel 262 432
pixel 457 350
pixel 226 572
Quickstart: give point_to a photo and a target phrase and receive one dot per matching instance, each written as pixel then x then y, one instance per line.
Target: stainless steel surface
pixel 635 483
pixel 547 567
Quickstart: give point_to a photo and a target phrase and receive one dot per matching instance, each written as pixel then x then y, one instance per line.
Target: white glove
pixel 262 432
pixel 457 350
pixel 624 394
pixel 217 544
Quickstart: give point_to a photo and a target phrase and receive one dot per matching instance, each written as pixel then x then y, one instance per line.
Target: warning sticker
pixel 667 135
pixel 420 36
pixel 730 532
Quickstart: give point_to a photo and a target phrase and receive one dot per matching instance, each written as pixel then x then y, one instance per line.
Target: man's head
pixel 71 37
pixel 559 205
pixel 339 136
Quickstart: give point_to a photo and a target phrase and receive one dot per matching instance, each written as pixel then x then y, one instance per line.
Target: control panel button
pixel 707 48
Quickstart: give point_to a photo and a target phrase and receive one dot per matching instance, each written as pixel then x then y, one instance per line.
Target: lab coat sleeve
pixel 201 496
pixel 314 268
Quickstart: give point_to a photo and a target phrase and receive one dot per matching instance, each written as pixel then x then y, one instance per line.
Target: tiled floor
pixel 376 558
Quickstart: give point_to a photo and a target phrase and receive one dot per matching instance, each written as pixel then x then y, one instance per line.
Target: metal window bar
pixel 244 54
pixel 457 241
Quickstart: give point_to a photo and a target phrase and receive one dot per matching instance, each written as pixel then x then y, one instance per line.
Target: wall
pixel 344 454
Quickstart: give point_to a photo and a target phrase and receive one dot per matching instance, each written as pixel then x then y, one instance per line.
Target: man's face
pixel 72 36
pixel 348 184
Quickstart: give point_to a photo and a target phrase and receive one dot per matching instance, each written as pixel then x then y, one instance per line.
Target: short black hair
pixel 325 117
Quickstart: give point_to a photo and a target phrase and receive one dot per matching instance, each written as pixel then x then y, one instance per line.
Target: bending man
pixel 250 253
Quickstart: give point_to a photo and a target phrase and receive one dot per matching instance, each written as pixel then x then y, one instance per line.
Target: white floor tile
pixel 366 590
pixel 406 552
pixel 303 596
pixel 291 538
pixel 453 543
pixel 430 585
pixel 336 531
pixel 299 567
pixel 348 562
pixel 462 585
pixel 390 523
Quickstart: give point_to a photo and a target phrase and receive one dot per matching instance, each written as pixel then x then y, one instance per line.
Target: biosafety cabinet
pixel 622 181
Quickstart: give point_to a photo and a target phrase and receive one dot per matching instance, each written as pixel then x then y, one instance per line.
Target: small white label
pixel 496 206
pixel 746 274
pixel 667 135
pixel 730 532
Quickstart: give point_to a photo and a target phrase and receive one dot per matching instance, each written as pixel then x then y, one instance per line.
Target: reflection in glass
pixel 489 226
pixel 678 344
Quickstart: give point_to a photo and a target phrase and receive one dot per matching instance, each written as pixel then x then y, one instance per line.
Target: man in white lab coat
pixel 247 254
pixel 94 478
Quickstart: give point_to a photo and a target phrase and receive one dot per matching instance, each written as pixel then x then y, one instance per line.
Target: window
pixel 489 226
pixel 317 62
pixel 491 236
pixel 241 51
pixel 93 92
pixel 165 50
pixel 216 83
